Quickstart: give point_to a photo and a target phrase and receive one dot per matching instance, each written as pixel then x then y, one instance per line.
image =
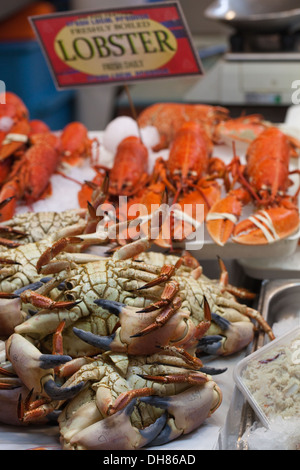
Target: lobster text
pixel 116 45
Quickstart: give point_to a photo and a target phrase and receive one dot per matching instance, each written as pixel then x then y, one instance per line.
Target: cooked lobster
pixel 265 181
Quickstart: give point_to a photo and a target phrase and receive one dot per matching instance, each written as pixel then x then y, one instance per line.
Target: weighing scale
pixel 261 66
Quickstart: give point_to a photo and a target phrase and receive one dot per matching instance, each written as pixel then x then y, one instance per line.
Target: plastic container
pixel 268 354
pixel 24 71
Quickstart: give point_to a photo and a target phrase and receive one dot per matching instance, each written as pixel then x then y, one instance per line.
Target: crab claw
pixel 11 316
pixel 117 432
pixel 33 286
pixel 112 306
pixel 234 337
pixel 186 410
pixel 36 370
pixel 224 214
pixel 105 343
pixel 267 226
pixel 128 337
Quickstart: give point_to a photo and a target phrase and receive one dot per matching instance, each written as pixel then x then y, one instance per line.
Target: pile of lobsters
pixel 30 153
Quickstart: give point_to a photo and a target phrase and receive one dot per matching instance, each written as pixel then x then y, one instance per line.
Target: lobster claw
pixel 224 214
pixel 267 226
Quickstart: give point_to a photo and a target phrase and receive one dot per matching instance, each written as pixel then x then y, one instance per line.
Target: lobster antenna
pixel 133 110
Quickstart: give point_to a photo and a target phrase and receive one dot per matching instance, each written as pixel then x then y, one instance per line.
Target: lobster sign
pixel 117 45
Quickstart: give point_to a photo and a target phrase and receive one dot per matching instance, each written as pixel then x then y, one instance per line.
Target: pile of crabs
pixel 111 346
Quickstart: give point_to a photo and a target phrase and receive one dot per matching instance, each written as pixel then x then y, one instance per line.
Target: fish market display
pixel 111 347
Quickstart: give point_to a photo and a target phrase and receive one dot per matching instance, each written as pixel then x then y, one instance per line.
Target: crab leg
pixel 224 283
pixel 54 250
pixel 33 410
pixel 9 381
pixel 192 378
pixel 125 398
pixel 41 301
pixel 166 272
pixel 169 311
pixel 161 318
pixel 9 243
pixel 168 294
pixel 139 246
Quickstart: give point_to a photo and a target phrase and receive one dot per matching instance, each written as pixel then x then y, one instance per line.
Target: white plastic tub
pixel 272 388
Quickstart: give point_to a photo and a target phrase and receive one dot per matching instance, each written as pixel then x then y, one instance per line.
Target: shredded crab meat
pixel 274 382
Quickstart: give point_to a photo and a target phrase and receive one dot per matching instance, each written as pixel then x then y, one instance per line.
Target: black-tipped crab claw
pixel 136 324
pixel 117 432
pixel 232 337
pixel 126 338
pixel 185 419
pixel 36 370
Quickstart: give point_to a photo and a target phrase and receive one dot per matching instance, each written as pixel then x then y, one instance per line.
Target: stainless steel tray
pixel 279 301
pixel 268 16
